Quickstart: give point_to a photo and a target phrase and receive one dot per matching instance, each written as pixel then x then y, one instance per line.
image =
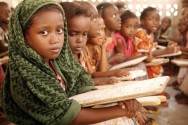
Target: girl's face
pixel 94 26
pixel 151 22
pixel 165 24
pixel 5 13
pixel 46 34
pixel 112 18
pixel 129 28
pixel 101 34
pixel 78 28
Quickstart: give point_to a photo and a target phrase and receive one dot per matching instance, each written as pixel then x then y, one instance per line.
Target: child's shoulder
pixel 118 36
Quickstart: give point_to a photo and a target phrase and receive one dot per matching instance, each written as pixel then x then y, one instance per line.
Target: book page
pixel 129 63
pixel 180 62
pixel 122 91
pixel 172 54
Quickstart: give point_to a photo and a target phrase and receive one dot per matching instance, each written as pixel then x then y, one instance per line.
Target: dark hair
pixel 126 15
pixel 119 5
pixel 146 11
pixel 3 4
pixel 75 8
pixel 90 8
pixel 102 7
pixel 44 8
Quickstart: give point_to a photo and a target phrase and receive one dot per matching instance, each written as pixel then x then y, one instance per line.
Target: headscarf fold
pixel 31 93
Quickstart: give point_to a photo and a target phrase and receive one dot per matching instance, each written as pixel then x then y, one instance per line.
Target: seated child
pixel 79 20
pixel 165 33
pixel 125 39
pixel 42 73
pixel 112 21
pixel 150 21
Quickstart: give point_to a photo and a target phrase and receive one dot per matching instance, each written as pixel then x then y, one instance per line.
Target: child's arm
pixel 119 58
pixel 89 116
pixel 120 47
pixel 105 81
pixel 127 108
pixel 110 73
pixel 168 50
pixel 103 64
pixel 134 57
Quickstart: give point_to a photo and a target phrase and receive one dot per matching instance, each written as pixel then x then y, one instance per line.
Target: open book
pixel 122 91
pixel 144 101
pixel 180 62
pixel 172 54
pixel 129 63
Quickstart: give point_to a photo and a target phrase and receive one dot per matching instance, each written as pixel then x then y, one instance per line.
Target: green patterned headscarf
pixel 31 94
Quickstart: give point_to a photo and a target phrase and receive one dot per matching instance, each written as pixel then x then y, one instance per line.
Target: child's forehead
pixel 153 13
pixel 131 20
pixel 109 11
pixel 111 8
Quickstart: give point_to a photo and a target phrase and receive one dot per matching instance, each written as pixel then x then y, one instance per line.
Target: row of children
pixel 166 35
pixel 43 73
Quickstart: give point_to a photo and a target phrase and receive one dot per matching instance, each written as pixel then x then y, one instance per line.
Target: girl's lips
pixel 154 28
pixel 55 50
pixel 78 49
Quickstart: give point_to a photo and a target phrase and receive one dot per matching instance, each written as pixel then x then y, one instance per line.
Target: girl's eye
pixel 72 34
pixel 85 34
pixel 43 33
pixel 60 30
pixel 128 27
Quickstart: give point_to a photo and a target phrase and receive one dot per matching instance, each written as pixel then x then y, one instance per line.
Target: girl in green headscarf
pixel 42 74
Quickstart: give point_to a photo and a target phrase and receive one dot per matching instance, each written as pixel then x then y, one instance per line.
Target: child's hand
pixel 132 107
pixel 120 73
pixel 172 44
pixel 140 118
pixel 107 42
pixel 119 58
pixel 134 110
pixel 149 57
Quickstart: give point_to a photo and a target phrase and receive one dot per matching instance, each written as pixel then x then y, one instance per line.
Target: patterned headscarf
pixel 31 93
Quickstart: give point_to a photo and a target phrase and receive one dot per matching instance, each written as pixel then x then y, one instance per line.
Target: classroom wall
pixel 171 8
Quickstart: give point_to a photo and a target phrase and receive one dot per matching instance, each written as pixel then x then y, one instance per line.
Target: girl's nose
pixel 80 39
pixel 118 17
pixel 54 38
